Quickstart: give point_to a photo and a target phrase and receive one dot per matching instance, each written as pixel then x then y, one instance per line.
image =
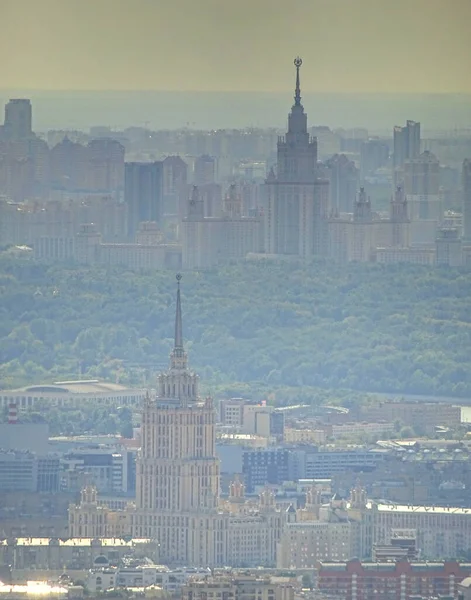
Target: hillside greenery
pixel 288 329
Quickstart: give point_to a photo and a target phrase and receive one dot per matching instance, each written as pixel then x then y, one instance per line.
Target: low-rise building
pixel 416 255
pixel 24 471
pixel 424 415
pixel 441 530
pixel 403 580
pixel 106 466
pixel 303 436
pixel 236 587
pixel 318 532
pixel 360 429
pixel 73 553
pixel 34 589
pixel 73 394
pixel 89 519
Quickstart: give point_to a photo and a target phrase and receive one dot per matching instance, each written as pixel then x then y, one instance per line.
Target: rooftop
pixel 420 509
pixel 84 386
pixel 84 542
pixel 33 588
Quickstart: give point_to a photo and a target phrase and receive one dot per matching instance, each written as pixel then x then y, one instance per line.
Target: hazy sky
pixel 347 45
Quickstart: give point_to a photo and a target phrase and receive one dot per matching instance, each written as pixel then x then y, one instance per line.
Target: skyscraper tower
pixel 18 119
pixel 178 471
pixel 399 220
pixel 143 193
pixel 296 199
pixel 406 143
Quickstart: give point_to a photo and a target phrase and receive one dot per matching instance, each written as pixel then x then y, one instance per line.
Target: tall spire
pixel 178 319
pixel 297 94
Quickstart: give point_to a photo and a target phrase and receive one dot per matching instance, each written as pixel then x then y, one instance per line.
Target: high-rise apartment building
pixel 406 143
pixel 343 182
pixel 105 165
pixel 421 185
pixel 374 154
pixel 205 170
pixel 175 175
pixel 296 198
pixel 143 193
pixel 18 120
pixel 68 162
pixel 399 220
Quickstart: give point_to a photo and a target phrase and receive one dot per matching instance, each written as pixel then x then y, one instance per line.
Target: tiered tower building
pixel 178 470
pixel 296 198
pixel 178 480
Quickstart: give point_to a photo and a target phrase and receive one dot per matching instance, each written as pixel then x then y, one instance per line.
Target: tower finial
pixel 297 95
pixel 178 318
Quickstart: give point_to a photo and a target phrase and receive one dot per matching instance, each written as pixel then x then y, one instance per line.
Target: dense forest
pixel 399 329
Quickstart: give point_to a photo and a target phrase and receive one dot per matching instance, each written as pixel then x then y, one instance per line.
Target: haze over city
pixel 355 53
pixel 235 282
pixel 359 46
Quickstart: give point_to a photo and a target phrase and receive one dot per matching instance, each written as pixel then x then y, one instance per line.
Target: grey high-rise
pixel 296 197
pixel 143 193
pixel 406 143
pixel 18 119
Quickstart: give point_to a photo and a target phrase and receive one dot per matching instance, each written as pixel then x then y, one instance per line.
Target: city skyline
pixel 312 424
pixel 348 47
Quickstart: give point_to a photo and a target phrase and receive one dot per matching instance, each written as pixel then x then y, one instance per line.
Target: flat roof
pixel 85 386
pixel 33 588
pixel 430 510
pixel 71 542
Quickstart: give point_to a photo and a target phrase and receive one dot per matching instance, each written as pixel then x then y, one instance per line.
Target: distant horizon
pixel 377 112
pixel 221 91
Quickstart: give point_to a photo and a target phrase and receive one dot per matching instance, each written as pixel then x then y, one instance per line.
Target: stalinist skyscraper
pixel 178 471
pixel 177 491
pixel 296 199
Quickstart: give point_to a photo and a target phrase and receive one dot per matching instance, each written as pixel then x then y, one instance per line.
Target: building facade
pixel 211 241
pixel 296 197
pixel 178 479
pixel 354 580
pixel 406 143
pixel 143 193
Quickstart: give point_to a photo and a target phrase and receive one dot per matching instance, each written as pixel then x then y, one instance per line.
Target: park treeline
pixel 402 329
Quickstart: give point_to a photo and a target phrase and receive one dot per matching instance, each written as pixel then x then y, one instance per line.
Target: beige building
pixel 148 252
pixel 426 415
pixel 303 436
pixel 210 241
pixel 236 587
pixel 90 520
pixel 318 532
pixel 45 223
pixel 178 480
pixel 73 553
pixel 441 531
pixel 357 237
